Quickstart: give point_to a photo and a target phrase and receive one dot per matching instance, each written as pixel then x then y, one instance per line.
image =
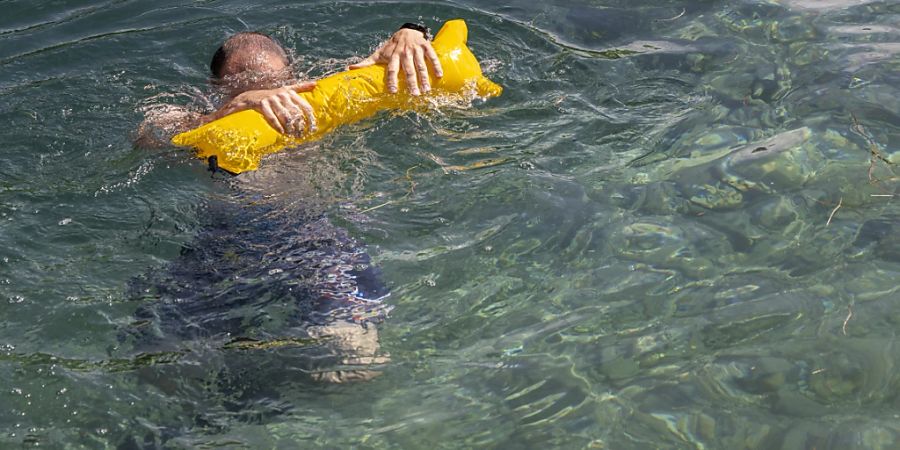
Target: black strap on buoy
pixel 213 162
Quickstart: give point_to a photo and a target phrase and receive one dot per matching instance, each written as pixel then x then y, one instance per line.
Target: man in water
pixel 213 290
pixel 253 71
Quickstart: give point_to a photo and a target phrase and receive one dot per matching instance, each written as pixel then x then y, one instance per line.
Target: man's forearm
pixel 160 125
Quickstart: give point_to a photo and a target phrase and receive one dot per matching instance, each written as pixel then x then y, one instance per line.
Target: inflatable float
pixel 236 142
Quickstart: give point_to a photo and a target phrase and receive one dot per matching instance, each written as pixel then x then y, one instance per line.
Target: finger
pixel 304 86
pixel 298 125
pixel 308 110
pixel 284 116
pixel 271 118
pixel 435 61
pixel 370 61
pixel 310 117
pixel 392 69
pixel 409 68
pixel 293 111
pixel 422 69
pixel 295 104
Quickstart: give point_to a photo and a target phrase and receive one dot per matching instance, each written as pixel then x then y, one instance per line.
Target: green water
pixel 677 228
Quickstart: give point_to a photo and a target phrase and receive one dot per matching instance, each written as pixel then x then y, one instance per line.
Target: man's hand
pixel 283 108
pixel 407 49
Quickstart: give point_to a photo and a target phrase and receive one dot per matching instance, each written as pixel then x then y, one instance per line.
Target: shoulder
pixel 161 122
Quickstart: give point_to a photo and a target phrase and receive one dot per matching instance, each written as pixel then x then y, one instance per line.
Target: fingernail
pixel 393 89
pixel 426 87
pixel 415 91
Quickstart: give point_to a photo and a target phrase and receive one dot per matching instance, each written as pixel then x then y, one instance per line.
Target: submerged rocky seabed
pixel 677 228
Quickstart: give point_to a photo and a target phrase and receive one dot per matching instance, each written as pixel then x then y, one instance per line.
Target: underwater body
pixel 249 261
pixel 676 228
pixel 257 279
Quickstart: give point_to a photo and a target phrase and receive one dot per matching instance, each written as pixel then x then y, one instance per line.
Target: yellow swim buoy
pixel 239 140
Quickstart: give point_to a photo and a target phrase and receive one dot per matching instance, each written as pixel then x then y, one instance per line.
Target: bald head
pixel 249 52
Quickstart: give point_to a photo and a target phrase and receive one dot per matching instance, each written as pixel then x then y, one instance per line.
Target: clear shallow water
pixel 636 246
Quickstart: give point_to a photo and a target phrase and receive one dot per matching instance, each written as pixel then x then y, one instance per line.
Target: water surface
pixel 677 228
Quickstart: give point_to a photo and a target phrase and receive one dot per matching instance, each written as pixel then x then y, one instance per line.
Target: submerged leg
pixel 356 348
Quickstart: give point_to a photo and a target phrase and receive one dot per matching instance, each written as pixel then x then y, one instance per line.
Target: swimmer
pixel 253 71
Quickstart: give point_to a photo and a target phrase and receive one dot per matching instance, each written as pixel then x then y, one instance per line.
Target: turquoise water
pixel 677 228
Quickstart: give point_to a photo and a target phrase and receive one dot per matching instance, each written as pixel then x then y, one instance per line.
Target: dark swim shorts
pixel 255 271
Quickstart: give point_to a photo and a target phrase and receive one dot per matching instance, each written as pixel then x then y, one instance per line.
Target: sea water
pixel 676 228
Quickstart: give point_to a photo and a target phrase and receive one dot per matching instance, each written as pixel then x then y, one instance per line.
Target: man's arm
pixel 283 109
pixel 161 123
pixel 407 49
